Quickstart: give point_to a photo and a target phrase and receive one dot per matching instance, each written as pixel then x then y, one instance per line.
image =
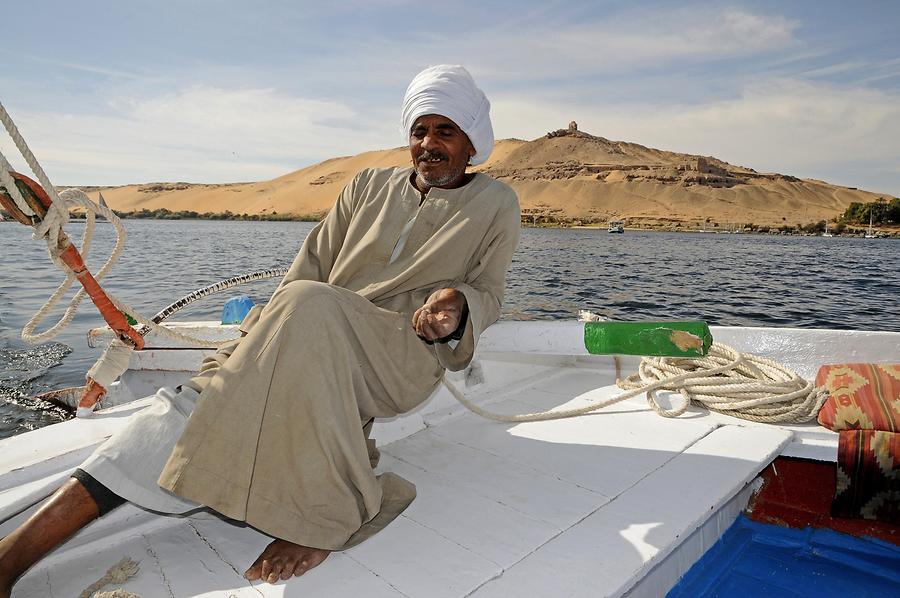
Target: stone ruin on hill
pixel 571 131
pixel 674 169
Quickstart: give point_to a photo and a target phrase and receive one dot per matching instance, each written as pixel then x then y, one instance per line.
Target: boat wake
pixel 23 373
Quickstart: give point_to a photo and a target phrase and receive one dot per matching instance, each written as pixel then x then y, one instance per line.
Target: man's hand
pixel 440 316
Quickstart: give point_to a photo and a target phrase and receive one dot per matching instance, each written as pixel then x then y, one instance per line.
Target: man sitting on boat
pixel 393 287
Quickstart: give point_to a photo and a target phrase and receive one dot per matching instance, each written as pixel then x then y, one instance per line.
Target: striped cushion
pixel 862 396
pixel 868 476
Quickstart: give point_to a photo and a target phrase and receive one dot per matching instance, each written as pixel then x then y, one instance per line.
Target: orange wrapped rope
pixel 39 202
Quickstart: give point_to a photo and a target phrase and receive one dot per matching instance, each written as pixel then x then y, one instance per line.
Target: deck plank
pixel 191 567
pixel 606 453
pixel 624 539
pixel 418 562
pixel 538 495
pixel 483 525
pixel 68 576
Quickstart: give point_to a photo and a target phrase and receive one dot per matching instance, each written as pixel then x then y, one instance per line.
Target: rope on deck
pixel 117 574
pixel 727 381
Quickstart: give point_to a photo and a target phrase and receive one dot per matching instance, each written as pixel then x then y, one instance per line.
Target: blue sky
pixel 204 91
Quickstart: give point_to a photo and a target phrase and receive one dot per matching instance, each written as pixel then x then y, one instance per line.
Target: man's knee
pixel 306 301
pixel 298 292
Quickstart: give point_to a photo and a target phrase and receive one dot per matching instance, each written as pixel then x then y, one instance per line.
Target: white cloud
pixel 634 40
pixel 543 46
pixel 202 134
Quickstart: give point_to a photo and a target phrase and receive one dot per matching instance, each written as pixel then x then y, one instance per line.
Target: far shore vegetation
pixel 884 214
pixel 854 221
pixel 165 214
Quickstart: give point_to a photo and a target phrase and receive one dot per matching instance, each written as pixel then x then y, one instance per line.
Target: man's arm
pixel 482 289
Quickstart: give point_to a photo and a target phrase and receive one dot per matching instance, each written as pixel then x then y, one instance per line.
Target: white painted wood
pixel 482 525
pixel 418 562
pixel 538 495
pixel 624 447
pixel 608 552
pixel 192 567
pixel 211 329
pixel 665 574
pixel 339 577
pixel 34 447
pixel 70 576
pixel 805 350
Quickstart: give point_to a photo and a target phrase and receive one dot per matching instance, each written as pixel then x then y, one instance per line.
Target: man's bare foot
pixel 282 560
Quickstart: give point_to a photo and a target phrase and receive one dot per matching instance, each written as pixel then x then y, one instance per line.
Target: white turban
pixel 449 90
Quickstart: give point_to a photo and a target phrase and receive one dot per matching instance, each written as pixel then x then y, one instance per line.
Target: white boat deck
pixel 578 507
pixel 618 503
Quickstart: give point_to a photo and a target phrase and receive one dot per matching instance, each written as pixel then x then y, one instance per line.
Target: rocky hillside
pixel 567 176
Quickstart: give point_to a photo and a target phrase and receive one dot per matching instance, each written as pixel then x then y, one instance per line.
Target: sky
pixel 110 93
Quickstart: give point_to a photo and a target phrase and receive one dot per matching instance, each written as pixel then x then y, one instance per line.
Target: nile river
pixel 744 280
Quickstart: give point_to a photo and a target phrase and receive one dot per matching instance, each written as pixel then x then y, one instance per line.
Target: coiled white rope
pixel 73 198
pixel 50 228
pixel 728 381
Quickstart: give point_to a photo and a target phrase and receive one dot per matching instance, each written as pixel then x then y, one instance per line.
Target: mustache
pixel 426 155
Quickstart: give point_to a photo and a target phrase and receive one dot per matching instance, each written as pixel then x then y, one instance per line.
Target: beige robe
pixel 276 439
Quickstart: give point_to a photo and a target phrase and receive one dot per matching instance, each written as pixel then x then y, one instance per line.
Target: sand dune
pixel 567 175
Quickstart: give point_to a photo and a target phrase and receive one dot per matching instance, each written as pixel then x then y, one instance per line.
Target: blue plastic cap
pixel 236 309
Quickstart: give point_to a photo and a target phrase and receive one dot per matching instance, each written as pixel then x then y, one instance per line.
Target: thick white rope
pixel 9 184
pixel 57 214
pixel 737 384
pixel 50 229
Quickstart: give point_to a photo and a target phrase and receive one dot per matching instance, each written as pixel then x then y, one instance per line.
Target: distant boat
pixel 616 226
pixel 826 233
pixel 102 205
pixel 870 234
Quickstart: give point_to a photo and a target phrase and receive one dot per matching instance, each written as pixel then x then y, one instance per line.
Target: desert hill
pixel 567 176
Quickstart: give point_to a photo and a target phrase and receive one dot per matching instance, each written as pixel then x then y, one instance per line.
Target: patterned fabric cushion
pixel 862 396
pixel 868 476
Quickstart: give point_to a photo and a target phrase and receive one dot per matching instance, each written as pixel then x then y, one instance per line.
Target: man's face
pixel 440 151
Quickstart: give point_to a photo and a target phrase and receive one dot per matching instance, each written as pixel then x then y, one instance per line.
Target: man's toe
pixel 288 570
pixel 254 572
pixel 266 569
pixel 275 572
pixel 302 567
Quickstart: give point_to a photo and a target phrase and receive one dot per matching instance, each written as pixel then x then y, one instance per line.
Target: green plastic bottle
pixel 660 339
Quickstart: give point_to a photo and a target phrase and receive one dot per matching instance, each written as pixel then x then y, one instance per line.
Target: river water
pixel 744 280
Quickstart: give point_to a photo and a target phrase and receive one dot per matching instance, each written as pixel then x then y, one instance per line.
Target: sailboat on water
pixel 870 234
pixel 103 204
